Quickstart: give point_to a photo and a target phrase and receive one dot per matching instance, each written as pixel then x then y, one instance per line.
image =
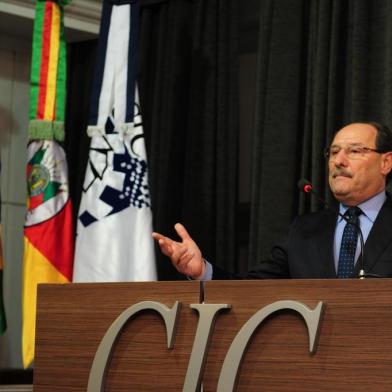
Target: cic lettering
pixel 207 316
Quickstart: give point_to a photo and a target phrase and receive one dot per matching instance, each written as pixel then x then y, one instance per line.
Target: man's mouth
pixel 341 174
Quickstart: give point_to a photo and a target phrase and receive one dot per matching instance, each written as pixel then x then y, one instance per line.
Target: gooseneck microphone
pixel 307 187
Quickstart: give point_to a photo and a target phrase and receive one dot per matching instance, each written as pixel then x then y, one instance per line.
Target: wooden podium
pixel 73 318
pixel 354 350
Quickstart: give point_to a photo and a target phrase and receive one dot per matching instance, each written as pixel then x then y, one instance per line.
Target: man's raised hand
pixel 185 255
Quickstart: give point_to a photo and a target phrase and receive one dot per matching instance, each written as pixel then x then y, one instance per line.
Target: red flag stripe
pixel 44 60
pixel 59 252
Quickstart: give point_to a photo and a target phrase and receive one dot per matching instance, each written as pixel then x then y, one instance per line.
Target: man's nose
pixel 340 159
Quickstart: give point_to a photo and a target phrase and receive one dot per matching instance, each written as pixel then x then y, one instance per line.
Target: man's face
pixel 354 178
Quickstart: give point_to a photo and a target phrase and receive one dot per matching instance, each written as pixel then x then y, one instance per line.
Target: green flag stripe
pixel 61 74
pixel 36 57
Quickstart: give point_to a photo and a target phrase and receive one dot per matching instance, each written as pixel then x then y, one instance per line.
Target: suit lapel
pixel 379 237
pixel 324 243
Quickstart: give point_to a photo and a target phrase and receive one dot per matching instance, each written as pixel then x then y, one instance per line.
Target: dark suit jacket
pixel 308 251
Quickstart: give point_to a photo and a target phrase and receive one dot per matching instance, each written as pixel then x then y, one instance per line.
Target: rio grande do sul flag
pixel 113 241
pixel 48 237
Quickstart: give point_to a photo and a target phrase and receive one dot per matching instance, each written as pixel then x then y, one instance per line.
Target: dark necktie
pixel 349 244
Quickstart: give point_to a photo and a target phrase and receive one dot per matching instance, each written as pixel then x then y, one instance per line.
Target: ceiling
pixel 81 19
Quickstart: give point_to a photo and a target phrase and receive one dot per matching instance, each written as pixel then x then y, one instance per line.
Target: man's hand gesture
pixel 185 255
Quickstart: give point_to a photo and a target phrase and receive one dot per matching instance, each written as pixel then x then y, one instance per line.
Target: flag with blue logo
pixel 114 229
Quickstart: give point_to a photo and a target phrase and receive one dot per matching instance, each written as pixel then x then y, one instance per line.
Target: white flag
pixel 114 240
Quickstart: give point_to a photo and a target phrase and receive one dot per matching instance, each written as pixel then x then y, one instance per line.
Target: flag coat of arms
pixel 48 231
pixel 114 228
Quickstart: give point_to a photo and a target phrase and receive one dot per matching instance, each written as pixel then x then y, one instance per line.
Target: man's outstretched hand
pixel 185 255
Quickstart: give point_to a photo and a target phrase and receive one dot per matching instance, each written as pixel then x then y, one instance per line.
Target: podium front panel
pixel 73 318
pixel 354 352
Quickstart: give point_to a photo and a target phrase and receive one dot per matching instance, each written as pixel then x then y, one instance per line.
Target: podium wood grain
pixel 72 319
pixel 355 347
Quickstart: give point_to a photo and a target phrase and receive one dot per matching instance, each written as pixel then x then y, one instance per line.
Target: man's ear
pixel 386 163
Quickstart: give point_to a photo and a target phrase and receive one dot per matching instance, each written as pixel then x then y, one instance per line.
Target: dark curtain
pixel 322 64
pixel 188 88
pixel 188 84
pixel 81 61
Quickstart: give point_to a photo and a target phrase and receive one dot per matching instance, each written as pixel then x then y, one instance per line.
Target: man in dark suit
pixel 323 244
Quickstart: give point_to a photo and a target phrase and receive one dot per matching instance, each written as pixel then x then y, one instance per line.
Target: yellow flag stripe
pixel 37 269
pixel 53 64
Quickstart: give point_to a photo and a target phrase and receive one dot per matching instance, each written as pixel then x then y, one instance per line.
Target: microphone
pixel 307 187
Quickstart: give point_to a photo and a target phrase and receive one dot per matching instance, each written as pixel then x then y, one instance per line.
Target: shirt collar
pixel 370 207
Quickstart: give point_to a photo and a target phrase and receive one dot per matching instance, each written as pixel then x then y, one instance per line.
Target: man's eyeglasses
pixel 351 151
